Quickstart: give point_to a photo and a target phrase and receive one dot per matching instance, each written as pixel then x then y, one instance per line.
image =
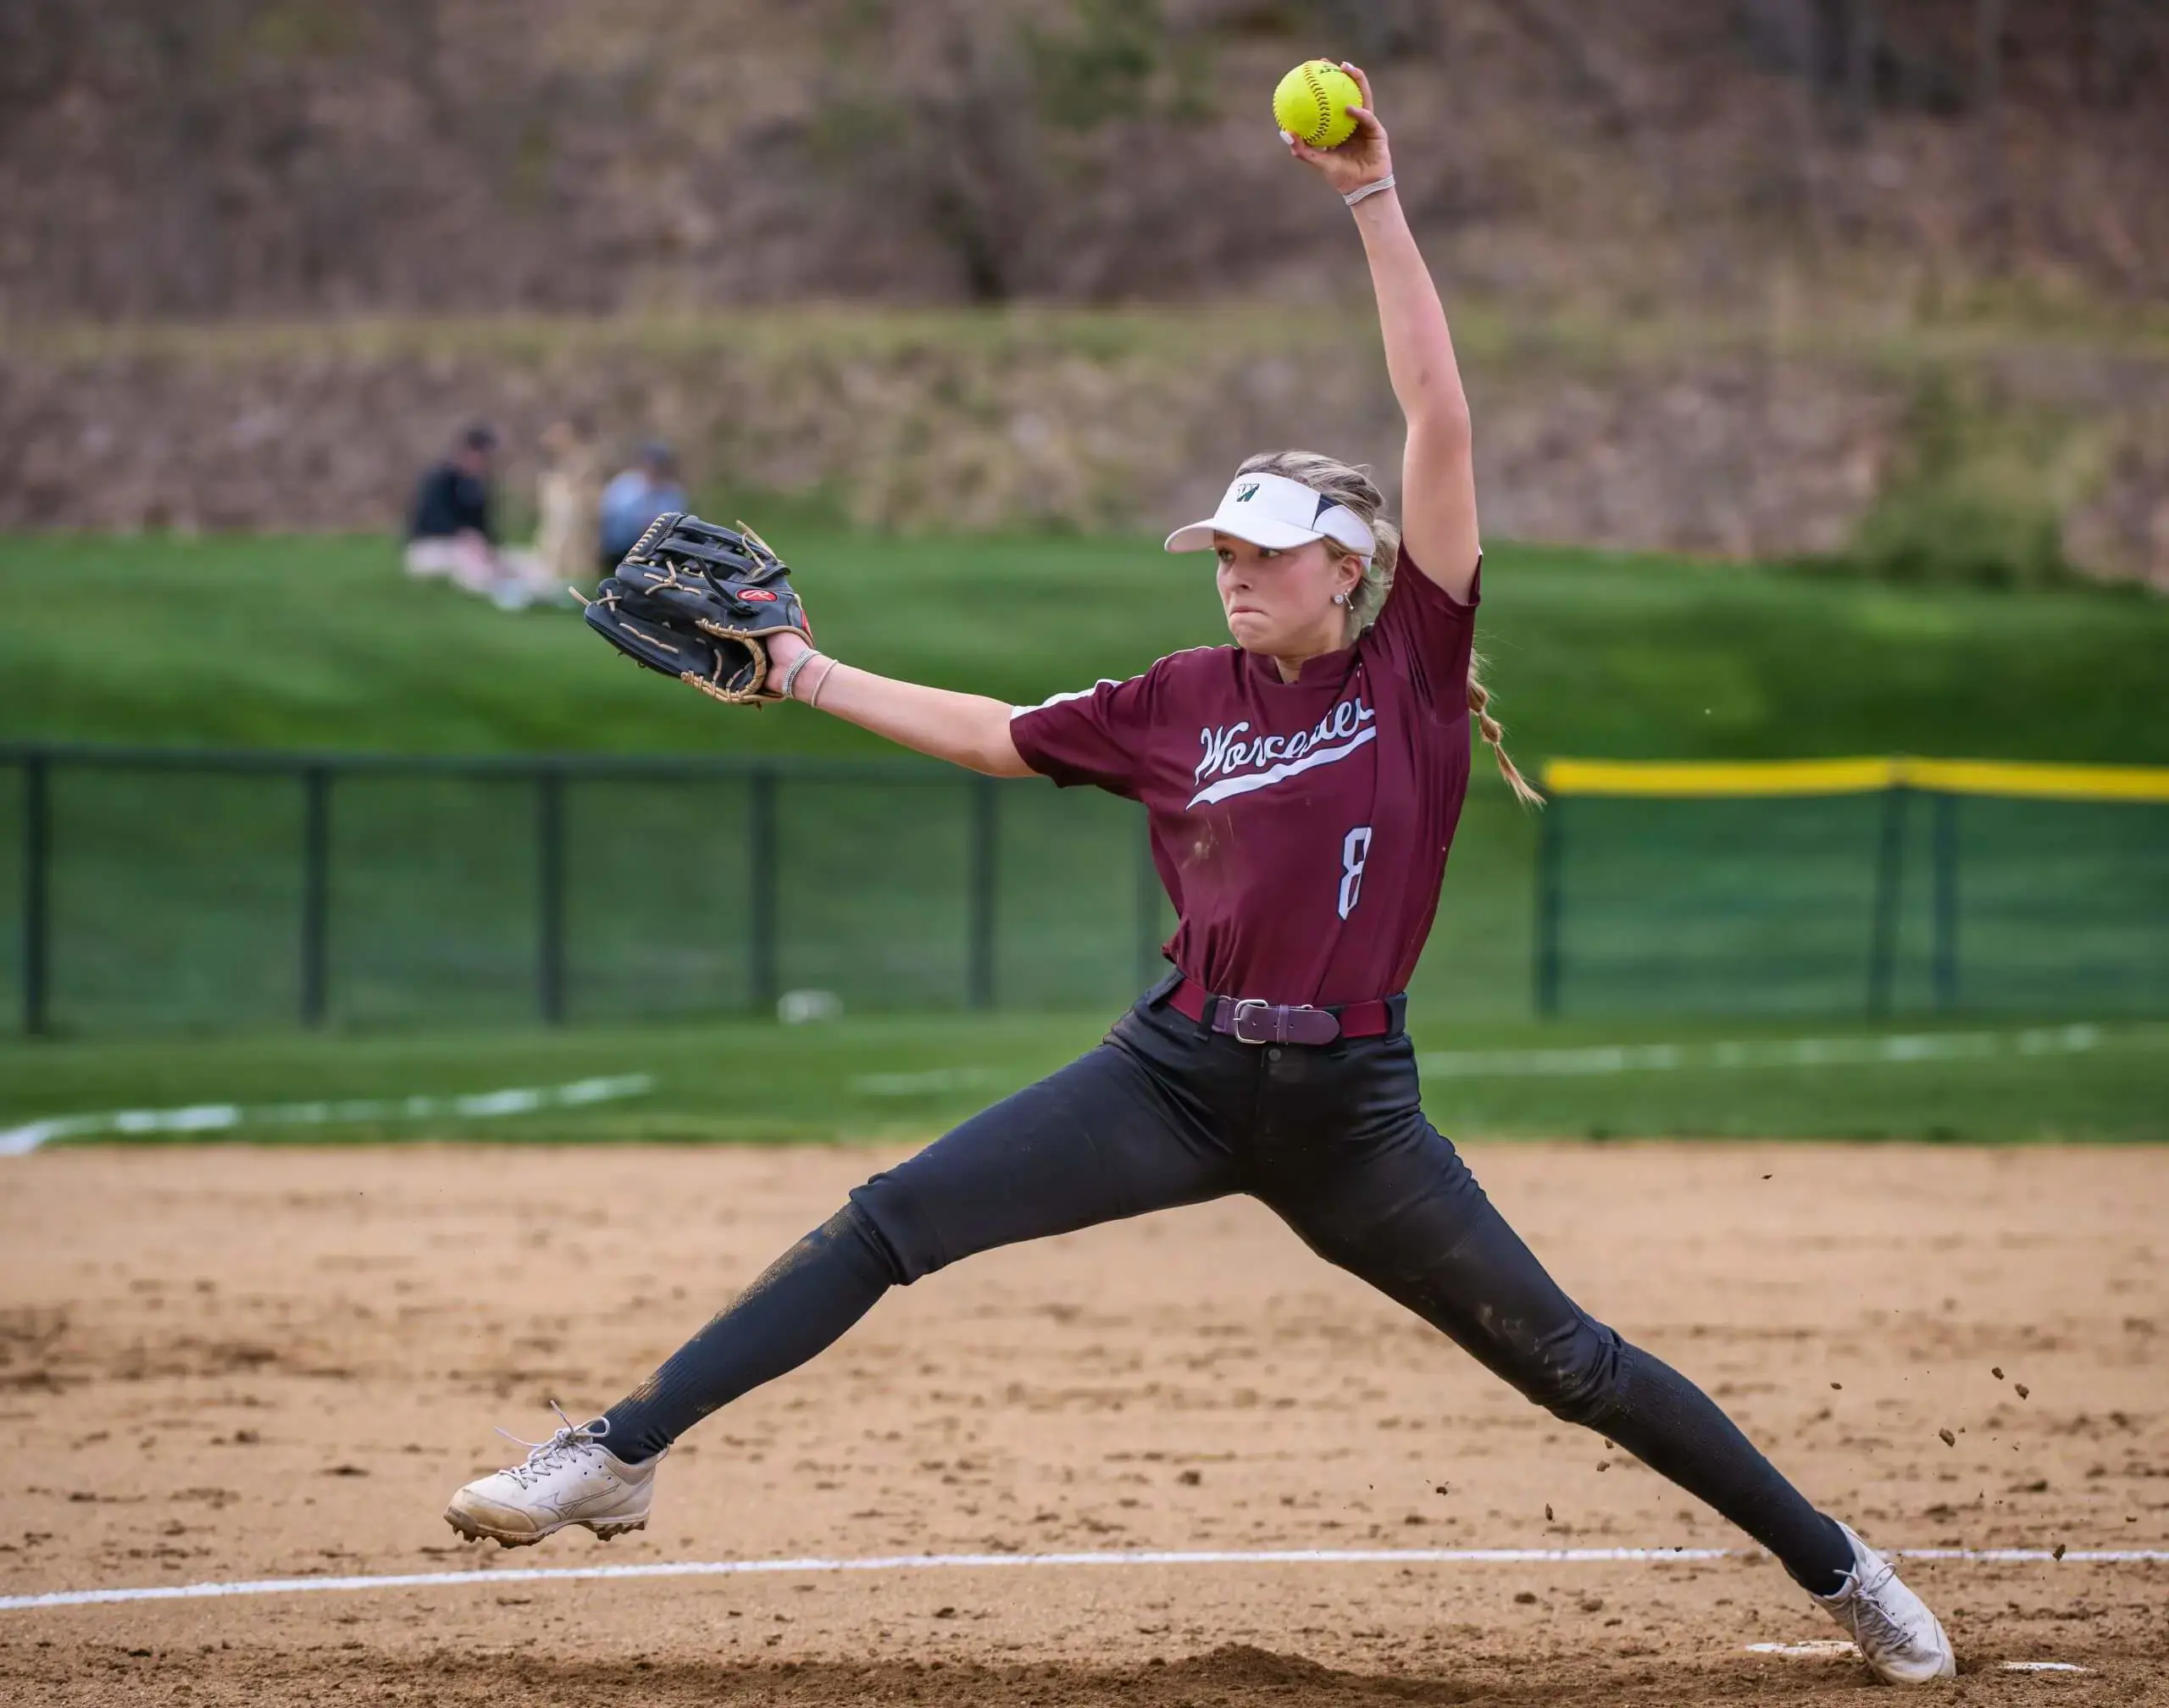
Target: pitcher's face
pixel 1281 604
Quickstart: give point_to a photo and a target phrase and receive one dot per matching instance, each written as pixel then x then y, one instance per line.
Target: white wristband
pixel 797 664
pixel 1371 189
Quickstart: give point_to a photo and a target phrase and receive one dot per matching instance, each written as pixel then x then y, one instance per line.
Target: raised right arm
pixel 967 730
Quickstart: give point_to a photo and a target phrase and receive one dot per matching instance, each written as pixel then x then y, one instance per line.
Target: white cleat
pixel 571 1479
pixel 1901 1641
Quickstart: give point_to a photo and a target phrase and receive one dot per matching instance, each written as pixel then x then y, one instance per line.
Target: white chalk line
pixel 928 1081
pixel 1814 1648
pixel 1896 1049
pixel 1821 1647
pixel 221 1117
pixel 970 1563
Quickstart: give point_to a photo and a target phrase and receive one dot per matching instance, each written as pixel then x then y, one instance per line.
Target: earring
pixel 1341 598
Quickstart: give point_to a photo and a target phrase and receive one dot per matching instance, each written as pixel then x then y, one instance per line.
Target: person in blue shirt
pixel 636 497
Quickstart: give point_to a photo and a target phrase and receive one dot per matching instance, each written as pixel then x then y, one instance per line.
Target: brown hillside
pixel 207 158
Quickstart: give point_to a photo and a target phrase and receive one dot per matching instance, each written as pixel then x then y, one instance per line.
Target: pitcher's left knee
pixel 1575 1373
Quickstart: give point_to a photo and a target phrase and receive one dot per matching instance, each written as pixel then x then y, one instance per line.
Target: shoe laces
pixel 545 1456
pixel 1873 1624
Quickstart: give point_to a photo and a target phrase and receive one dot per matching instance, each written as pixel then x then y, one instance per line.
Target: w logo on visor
pixel 1244 493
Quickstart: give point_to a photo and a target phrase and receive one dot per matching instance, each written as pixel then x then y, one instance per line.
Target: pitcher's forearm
pixel 1420 360
pixel 1438 517
pixel 967 730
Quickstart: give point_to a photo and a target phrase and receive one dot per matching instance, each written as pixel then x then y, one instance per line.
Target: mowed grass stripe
pixel 907 1078
pixel 322 642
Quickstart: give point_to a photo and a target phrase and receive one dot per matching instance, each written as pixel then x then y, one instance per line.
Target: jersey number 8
pixel 1355 850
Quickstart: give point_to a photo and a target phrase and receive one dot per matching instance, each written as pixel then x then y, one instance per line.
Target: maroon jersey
pixel 1300 828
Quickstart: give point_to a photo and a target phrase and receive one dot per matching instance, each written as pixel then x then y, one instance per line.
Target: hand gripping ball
pixel 1312 102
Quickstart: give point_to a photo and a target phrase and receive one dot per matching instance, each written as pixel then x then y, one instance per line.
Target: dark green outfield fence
pixel 160 889
pixel 1873 886
pixel 232 889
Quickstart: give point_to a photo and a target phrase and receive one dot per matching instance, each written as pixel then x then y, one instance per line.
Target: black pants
pixel 1334 1141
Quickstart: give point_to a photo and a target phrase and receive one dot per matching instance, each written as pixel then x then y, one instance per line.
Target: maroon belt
pixel 1250 1021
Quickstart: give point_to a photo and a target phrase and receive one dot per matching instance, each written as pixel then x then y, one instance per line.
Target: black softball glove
pixel 698 602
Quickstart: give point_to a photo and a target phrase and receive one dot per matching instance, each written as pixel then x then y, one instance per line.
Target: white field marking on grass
pixel 927 1080
pixel 1789 1052
pixel 1899 1048
pixel 944 1563
pixel 219 1117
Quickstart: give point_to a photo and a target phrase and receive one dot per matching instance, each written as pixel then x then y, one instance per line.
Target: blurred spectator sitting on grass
pixel 566 542
pixel 450 533
pixel 634 498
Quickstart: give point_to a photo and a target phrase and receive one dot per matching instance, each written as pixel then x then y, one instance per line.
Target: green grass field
pixel 321 643
pixel 174 899
pixel 899 1078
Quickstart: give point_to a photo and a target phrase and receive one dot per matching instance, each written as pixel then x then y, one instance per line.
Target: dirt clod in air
pixel 2021 1389
pixel 1949 1440
pixel 1525 1598
pixel 1190 1479
pixel 2056 1552
pixel 1996 1371
pixel 1547 1512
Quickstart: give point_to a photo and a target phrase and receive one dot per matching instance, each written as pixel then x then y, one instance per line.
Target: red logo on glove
pixel 755 593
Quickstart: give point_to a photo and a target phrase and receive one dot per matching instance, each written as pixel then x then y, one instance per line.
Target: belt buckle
pixel 1246 1006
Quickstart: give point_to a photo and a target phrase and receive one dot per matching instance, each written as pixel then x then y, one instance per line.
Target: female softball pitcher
pixel 1303 786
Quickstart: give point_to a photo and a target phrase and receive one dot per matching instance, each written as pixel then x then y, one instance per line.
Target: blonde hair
pixel 1351 484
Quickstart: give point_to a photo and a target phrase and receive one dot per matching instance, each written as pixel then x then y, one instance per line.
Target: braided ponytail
pixel 1479 697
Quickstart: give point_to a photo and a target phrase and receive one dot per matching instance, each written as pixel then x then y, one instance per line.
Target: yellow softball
pixel 1312 102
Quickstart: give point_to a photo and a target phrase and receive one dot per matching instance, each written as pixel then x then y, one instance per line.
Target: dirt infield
pixel 238 1364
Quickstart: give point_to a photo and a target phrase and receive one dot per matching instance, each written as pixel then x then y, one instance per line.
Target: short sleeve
pixel 1428 633
pixel 1095 735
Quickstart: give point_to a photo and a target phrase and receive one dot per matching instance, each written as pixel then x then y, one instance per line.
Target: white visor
pixel 1272 511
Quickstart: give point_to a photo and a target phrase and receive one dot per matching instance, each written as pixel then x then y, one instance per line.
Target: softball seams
pixel 1317 87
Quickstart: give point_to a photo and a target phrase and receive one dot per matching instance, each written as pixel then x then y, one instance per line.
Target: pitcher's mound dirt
pixel 235 1364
